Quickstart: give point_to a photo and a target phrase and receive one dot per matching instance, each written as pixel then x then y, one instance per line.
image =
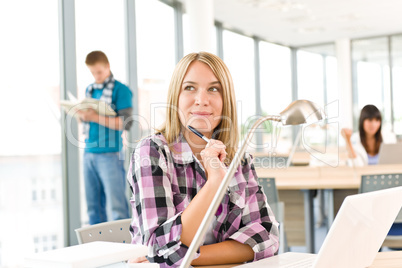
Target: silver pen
pixel 196 132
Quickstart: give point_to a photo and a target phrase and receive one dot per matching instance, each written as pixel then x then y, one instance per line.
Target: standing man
pixel 104 173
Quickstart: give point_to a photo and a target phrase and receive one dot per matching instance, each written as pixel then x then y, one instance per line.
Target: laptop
pixel 390 154
pixel 356 235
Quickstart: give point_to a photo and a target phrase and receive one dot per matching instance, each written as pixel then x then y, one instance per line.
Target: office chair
pixel 269 187
pixel 383 181
pixel 112 231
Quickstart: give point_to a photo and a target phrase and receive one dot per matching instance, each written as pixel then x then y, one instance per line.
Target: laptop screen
pixel 360 228
pixel 390 154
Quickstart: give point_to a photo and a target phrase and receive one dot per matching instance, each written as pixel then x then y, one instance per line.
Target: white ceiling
pixel 306 22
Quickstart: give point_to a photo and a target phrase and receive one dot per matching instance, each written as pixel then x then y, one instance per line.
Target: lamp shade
pixel 301 112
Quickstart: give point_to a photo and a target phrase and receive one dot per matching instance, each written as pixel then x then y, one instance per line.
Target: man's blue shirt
pixel 102 139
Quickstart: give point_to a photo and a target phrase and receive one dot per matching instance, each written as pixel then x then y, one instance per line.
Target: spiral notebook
pixel 94 254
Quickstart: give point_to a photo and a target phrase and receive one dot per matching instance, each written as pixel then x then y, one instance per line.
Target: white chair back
pixel 112 231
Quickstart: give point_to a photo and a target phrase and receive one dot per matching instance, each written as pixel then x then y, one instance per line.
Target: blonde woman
pixel 174 175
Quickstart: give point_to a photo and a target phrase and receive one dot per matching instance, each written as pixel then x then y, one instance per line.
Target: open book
pixel 74 105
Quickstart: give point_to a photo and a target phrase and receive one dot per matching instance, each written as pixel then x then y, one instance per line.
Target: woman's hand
pixel 141 259
pixel 346 133
pixel 212 157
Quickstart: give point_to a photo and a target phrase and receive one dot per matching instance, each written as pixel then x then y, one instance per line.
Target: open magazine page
pixel 73 105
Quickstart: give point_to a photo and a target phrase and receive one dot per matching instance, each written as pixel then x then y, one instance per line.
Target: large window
pixel 99 26
pixel 31 210
pixel 331 74
pixel 317 74
pixel 310 77
pixel 317 82
pixel 276 91
pixel 372 77
pixel 156 61
pixel 238 54
pixel 396 46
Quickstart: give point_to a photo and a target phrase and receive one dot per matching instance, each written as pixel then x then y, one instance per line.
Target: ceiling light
pixel 279 5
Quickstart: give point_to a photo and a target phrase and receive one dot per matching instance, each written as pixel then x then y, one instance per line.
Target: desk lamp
pixel 297 113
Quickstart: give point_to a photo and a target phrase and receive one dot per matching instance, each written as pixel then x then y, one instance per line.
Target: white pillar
pixel 343 56
pixel 201 24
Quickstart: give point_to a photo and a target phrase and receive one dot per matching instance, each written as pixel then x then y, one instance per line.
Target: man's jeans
pixel 105 187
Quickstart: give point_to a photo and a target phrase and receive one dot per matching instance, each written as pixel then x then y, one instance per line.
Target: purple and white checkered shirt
pixel 163 183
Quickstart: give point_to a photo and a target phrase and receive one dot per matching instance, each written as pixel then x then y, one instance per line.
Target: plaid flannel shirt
pixel 164 182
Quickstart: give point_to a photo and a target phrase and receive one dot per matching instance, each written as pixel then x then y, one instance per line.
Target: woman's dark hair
pixel 370 112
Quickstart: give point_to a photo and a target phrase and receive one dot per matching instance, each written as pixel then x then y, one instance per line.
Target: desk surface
pixel 389 259
pixel 325 177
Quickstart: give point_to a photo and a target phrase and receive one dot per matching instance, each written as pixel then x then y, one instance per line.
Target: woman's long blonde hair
pixel 227 130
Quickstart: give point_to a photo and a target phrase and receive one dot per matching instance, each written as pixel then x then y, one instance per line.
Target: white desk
pixel 391 259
